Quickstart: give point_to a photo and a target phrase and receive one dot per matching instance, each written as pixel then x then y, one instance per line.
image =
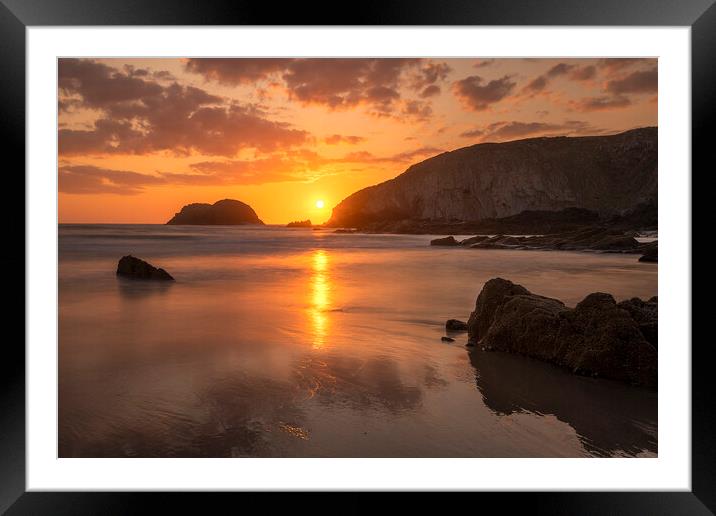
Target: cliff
pixel 609 175
pixel 226 212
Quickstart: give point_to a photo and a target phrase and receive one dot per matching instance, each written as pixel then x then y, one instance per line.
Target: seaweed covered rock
pixel 598 337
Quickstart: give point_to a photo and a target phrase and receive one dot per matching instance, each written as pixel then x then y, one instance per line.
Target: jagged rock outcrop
pixel 135 268
pixel 225 212
pixel 598 337
pixel 608 175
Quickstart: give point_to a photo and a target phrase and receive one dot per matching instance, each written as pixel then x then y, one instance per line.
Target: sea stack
pixel 228 212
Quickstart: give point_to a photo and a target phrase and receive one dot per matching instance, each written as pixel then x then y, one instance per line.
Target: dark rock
pixel 447 339
pixel 455 325
pixel 445 241
pixel 615 243
pixel 646 315
pixel 343 230
pixel 131 267
pixel 226 212
pixel 473 240
pixel 597 337
pixel 491 297
pixel 650 256
pixel 300 224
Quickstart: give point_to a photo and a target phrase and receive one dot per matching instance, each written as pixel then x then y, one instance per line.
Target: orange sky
pixel 140 138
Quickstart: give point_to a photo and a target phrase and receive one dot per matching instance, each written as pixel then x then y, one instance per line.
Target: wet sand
pixel 278 342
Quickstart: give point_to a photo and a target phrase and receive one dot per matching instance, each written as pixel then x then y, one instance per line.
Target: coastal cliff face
pixel 226 212
pixel 606 174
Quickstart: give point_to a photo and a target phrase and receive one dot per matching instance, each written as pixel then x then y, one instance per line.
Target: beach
pixel 276 342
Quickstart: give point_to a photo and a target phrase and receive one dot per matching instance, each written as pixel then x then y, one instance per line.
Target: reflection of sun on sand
pixel 320 301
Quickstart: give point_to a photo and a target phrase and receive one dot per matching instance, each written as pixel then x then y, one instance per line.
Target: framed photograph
pixel 418 250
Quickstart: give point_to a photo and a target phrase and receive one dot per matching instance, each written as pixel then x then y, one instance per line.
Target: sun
pixel 320 204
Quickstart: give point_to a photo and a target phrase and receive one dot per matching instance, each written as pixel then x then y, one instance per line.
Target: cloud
pixel 430 91
pixel 343 83
pixel 508 130
pixel 635 82
pixel 483 63
pixel 583 73
pixel 140 116
pixel 86 179
pixel 235 71
pixel 336 139
pixel 401 157
pixel 336 83
pixel 601 103
pixel 559 69
pixel 417 109
pixel 536 85
pixel 473 133
pixel 429 74
pixel 539 83
pixel 478 96
pixel 616 64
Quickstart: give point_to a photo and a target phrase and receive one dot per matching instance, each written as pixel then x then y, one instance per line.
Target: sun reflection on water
pixel 320 297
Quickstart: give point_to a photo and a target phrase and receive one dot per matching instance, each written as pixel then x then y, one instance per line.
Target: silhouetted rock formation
pixel 607 175
pixel 445 241
pixel 134 268
pixel 585 239
pixel 226 212
pixel 300 224
pixel 455 325
pixel 597 337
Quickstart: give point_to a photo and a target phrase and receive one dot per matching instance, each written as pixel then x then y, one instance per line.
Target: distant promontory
pixel 225 212
pixel 602 175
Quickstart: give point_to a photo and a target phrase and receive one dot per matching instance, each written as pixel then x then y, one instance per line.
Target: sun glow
pixel 320 300
pixel 320 204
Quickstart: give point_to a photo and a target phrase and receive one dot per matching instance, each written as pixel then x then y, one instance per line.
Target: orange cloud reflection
pixel 320 297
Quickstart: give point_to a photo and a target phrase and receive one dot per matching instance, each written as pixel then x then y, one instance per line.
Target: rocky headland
pixel 598 337
pixel 537 185
pixel 225 212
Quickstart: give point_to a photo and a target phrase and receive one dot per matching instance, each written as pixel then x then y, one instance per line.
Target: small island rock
pixel 300 224
pixel 227 212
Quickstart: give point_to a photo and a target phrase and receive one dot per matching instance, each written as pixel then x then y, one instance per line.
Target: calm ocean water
pixel 292 342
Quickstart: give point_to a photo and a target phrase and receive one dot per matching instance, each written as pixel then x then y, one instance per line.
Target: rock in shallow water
pixel 134 268
pixel 447 339
pixel 597 337
pixel 455 325
pixel 450 240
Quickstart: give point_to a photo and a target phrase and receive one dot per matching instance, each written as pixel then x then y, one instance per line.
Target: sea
pixel 277 342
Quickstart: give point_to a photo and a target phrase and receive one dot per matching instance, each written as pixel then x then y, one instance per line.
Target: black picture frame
pixel 17 15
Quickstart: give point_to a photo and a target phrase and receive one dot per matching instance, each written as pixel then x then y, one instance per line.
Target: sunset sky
pixel 140 138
